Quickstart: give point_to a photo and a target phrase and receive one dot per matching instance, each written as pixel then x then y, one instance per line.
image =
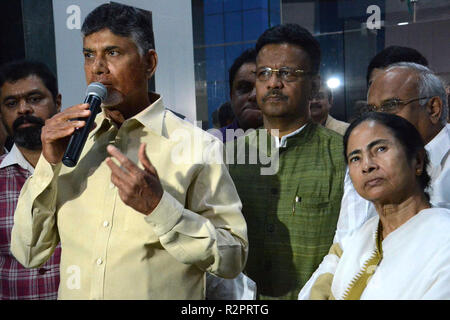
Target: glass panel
pixel 222 30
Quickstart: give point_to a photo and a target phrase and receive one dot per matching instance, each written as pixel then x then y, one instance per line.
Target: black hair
pixel 292 33
pixel 122 20
pixel 21 69
pixel 225 113
pixel 248 56
pixel 392 55
pixel 405 133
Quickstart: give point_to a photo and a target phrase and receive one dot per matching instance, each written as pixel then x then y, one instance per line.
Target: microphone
pixel 95 94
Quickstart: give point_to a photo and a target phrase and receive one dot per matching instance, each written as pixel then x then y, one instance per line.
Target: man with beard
pixel 28 96
pixel 242 96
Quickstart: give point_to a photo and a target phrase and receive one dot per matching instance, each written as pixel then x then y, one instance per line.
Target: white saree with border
pixel 411 263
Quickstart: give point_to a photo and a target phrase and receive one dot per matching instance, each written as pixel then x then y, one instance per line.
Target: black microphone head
pixel 97 89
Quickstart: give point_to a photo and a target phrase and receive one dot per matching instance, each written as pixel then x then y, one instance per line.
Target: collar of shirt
pixel 281 143
pixel 439 147
pixel 151 117
pixel 16 157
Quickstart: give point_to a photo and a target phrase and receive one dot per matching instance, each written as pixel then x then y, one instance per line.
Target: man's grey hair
pixel 429 85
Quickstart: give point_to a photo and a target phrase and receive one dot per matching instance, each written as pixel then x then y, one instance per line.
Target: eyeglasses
pixel 286 74
pixel 392 105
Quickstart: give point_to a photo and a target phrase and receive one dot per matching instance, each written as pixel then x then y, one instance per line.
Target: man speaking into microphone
pixel 132 222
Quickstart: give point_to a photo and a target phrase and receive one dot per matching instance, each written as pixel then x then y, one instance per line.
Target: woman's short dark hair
pixel 122 20
pixel 292 33
pixel 404 132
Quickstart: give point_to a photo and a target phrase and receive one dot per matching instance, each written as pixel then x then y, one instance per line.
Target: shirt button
pixel 111 185
pixel 270 227
pixel 105 224
pixel 99 261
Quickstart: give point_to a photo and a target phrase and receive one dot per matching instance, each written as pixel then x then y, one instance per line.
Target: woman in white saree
pixel 404 252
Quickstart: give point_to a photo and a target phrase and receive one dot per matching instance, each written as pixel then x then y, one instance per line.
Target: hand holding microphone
pixel 64 135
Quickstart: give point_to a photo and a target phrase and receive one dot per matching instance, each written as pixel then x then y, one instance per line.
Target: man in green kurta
pixel 291 212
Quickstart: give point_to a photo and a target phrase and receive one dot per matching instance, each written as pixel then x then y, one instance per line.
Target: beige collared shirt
pixel 110 251
pixel 336 125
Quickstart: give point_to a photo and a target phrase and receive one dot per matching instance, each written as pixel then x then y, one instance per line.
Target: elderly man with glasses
pixel 291 214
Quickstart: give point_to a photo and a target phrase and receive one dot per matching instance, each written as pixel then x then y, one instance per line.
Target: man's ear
pixel 434 109
pixel 151 62
pixel 420 159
